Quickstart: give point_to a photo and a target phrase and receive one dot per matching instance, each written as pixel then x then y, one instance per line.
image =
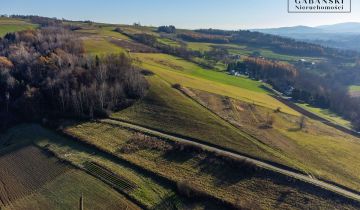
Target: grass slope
pixel 176 70
pixel 167 109
pixel 103 31
pixel 101 46
pixel 327 114
pixel 168 42
pixel 330 154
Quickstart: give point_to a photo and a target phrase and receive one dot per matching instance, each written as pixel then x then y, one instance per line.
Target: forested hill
pixel 277 43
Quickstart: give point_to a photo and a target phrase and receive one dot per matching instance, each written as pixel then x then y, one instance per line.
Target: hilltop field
pixel 112 165
pixel 12 25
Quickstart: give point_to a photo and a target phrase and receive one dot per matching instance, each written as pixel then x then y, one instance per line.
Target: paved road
pixel 259 163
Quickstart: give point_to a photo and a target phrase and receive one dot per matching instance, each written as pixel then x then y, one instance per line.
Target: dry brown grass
pixel 226 179
pixel 330 154
pixel 140 141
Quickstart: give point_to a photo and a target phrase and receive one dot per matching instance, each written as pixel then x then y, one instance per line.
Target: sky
pixel 190 14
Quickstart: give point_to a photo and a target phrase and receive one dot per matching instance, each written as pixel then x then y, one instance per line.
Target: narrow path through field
pixel 262 164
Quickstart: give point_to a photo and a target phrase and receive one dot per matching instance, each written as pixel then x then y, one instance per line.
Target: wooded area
pixel 44 73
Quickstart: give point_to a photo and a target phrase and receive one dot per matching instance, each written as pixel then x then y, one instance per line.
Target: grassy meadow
pixel 104 31
pixel 330 154
pixel 199 46
pixel 13 25
pixel 169 42
pixel 327 114
pixel 354 90
pixel 101 47
pixel 175 70
pixel 167 109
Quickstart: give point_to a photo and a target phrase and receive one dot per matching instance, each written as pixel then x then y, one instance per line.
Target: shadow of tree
pixel 178 156
pixel 226 174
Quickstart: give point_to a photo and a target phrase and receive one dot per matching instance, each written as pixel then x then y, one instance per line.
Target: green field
pixel 107 32
pixel 129 29
pixel 175 70
pixel 101 46
pixel 354 90
pixel 13 25
pixel 169 42
pixel 327 114
pixel 64 193
pixel 199 46
pixel 181 66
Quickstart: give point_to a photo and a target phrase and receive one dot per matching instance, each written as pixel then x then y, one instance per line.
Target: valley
pixel 180 132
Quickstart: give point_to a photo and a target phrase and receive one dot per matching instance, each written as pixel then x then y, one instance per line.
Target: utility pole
pixel 81 205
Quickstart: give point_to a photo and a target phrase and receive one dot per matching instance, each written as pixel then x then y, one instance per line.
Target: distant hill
pixel 290 30
pixel 342 35
pixel 351 27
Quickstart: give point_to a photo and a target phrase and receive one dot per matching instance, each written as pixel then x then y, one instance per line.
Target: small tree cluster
pixel 167 29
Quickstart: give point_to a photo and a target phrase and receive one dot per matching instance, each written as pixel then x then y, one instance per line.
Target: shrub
pixel 185 189
pixel 147 72
pixel 176 86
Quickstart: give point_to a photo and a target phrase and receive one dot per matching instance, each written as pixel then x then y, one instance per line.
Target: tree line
pixel 167 29
pixel 44 73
